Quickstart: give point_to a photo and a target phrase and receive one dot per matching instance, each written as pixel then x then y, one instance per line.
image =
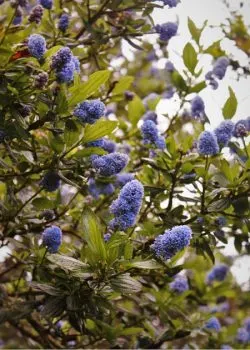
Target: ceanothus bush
pixel 124 175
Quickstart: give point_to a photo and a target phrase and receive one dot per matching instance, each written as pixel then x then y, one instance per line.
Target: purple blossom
pixel 220 67
pixel 207 144
pixel 150 115
pixel 66 73
pixel 169 67
pixel 224 132
pixel 37 45
pixel 17 20
pixel 47 4
pixel 197 107
pixel 241 128
pixel 36 14
pixel 166 30
pixel 179 285
pixel 52 238
pixel 96 188
pixel 242 335
pixel 221 221
pixel 62 57
pixel 109 146
pixel 218 273
pixel 63 22
pixel 170 3
pixel 127 206
pixel 122 179
pixel 89 111
pixel 51 181
pixel 107 237
pixel 172 241
pixel 110 164
pixel 213 324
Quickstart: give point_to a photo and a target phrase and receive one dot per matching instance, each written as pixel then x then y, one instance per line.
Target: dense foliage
pixel 113 220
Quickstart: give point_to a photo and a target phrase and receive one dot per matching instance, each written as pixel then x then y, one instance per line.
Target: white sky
pixel 216 13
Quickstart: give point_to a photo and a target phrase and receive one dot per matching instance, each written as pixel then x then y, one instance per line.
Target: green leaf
pixel 220 204
pixel 122 85
pixel 178 81
pixel 96 131
pixel 147 264
pixel 198 87
pixel 86 152
pixel 93 236
pixel 71 132
pixel 43 203
pixel 66 263
pixel 190 57
pixel 230 106
pixel 125 284
pixel 194 31
pixel 81 92
pixel 135 110
pixel 46 288
pixel 56 143
pixel 132 331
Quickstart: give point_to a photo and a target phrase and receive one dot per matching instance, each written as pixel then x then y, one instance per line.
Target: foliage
pixel 96 286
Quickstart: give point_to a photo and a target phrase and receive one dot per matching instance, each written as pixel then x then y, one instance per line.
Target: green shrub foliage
pixel 113 220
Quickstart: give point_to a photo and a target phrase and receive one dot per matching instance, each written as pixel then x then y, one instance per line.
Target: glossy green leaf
pixel 190 57
pixel 83 91
pixel 98 130
pixel 230 106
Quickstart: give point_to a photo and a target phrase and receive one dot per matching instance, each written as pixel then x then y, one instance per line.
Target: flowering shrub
pixel 114 217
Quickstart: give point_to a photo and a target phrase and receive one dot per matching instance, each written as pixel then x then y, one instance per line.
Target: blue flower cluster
pixel 213 324
pixel 36 14
pixel 207 144
pixel 169 67
pixel 243 333
pixel 151 135
pixel 172 241
pixel 221 221
pixel 224 132
pixel 51 181
pixel 241 128
pixel 220 67
pixel 179 285
pixel 169 93
pixel 218 273
pixel 109 145
pixel 47 4
pixel 63 22
pixel 37 45
pixel 122 179
pixel 197 107
pixel 218 72
pixel 106 144
pixel 170 3
pixel 107 237
pixel 18 18
pixel 110 164
pixel 166 30
pixel 89 111
pixel 150 115
pixel 65 64
pixel 127 206
pixel 96 188
pixel 23 3
pixel 52 238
